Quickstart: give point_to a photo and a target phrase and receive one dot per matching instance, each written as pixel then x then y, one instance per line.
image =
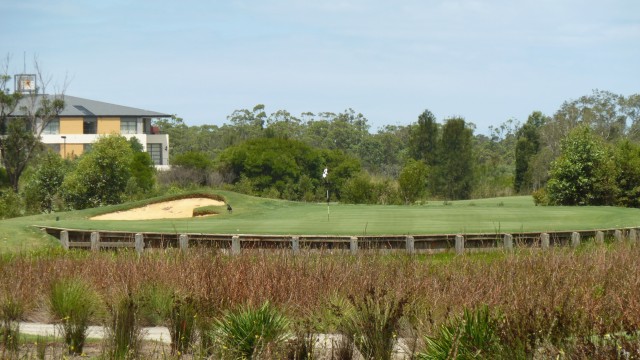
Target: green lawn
pixel 253 215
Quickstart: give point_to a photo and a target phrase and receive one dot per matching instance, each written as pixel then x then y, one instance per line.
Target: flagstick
pixel 328 205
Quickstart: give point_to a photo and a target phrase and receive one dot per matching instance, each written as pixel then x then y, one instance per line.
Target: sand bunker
pixel 182 208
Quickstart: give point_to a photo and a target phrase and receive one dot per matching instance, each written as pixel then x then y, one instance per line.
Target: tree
pixel 272 164
pixel 455 169
pixel 423 141
pixel 584 173
pixel 527 146
pixel 24 117
pixel 143 170
pixel 627 160
pixel 43 186
pixel 413 180
pixel 101 175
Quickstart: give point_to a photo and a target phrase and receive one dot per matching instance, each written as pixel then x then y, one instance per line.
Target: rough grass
pixel 268 216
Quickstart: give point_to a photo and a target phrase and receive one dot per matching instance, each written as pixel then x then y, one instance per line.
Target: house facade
pixel 82 121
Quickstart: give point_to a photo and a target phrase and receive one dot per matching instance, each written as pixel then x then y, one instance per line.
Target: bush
pixel 359 190
pixel 540 197
pixel 473 336
pixel 11 204
pixel 248 333
pixel 74 304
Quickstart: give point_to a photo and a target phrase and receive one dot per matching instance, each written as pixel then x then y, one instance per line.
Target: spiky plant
pixel 248 333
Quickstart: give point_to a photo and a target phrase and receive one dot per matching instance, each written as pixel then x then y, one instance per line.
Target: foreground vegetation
pixel 562 303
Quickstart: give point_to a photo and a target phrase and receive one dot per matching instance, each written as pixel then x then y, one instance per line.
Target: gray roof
pixel 75 106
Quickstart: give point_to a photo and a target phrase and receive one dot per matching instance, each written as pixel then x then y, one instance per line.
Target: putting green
pixel 253 215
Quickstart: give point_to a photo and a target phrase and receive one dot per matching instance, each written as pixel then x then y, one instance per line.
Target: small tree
pixel 45 182
pixel 584 173
pixel 101 175
pixel 413 180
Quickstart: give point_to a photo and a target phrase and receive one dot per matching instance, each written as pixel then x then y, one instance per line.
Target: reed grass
pixel 558 299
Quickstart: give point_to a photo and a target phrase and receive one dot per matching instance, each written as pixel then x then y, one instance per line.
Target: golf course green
pixel 254 215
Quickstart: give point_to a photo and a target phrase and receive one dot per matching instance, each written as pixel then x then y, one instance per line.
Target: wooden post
pixel 544 240
pixel 575 239
pixel 64 239
pixel 183 242
pixel 410 245
pixel 353 245
pixel 633 235
pixel 139 240
pixel 295 244
pixel 618 235
pixel 235 245
pixel 508 242
pixel 95 241
pixel 459 244
pixel 599 237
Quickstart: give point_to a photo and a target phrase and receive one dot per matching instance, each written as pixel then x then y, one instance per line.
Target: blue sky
pixel 487 61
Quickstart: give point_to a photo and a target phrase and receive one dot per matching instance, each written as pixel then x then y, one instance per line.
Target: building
pixel 82 121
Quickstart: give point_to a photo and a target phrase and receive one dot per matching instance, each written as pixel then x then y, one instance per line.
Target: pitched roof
pixel 75 106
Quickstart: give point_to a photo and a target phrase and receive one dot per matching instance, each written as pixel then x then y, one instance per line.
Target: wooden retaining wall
pixel 236 243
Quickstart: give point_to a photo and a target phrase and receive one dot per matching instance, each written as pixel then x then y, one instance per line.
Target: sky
pixel 487 61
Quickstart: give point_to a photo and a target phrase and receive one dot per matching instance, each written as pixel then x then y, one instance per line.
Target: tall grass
pixel 546 299
pixel 123 328
pixel 75 304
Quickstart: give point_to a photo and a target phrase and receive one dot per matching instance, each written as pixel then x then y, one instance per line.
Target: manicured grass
pixel 252 215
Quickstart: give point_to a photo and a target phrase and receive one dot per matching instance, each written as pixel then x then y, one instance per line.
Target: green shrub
pixel 11 204
pixel 540 197
pixel 473 336
pixel 247 333
pixel 74 304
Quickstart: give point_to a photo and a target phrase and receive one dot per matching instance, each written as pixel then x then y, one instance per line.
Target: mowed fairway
pixel 253 215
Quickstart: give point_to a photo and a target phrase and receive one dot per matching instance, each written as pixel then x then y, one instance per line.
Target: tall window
pixel 128 125
pixel 52 127
pixel 90 125
pixel 155 151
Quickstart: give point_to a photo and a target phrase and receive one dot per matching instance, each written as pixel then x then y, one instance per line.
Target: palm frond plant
pixel 249 333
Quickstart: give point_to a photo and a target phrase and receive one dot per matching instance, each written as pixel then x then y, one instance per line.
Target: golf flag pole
pixel 325 174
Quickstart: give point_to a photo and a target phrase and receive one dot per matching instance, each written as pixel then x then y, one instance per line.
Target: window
pixel 128 126
pixel 86 147
pixel 155 151
pixel 90 125
pixel 52 127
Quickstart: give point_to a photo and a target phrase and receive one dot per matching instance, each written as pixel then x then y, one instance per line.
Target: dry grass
pixel 540 297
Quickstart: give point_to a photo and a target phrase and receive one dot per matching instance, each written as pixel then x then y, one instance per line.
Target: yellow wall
pixel 71 126
pixel 108 125
pixel 72 149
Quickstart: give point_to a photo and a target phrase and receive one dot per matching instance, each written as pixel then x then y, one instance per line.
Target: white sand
pixel 165 210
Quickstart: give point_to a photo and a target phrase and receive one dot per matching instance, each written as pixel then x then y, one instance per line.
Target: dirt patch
pixel 174 209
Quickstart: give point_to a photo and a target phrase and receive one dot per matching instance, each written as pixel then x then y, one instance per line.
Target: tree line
pixel 586 153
